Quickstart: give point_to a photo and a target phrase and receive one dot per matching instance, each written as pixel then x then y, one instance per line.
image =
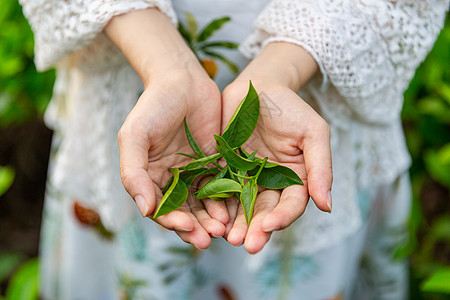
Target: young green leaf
pixel 244 120
pixel 231 157
pixel 201 162
pixel 220 44
pixel 212 27
pixel 259 160
pixel 221 174
pixel 248 199
pixel 174 197
pixel 197 150
pixel 275 178
pixel 188 155
pixel 219 186
pixel 189 176
pixel 192 26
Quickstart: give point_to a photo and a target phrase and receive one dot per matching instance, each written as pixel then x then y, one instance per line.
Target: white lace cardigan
pixel 367 51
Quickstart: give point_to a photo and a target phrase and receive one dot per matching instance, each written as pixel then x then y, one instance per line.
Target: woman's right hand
pixel 175 87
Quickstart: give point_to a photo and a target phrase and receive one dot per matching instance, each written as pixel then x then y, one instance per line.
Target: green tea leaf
pixel 189 176
pixel 259 160
pixel 192 26
pixel 174 197
pixel 201 162
pixel 188 155
pixel 278 177
pixel 219 186
pixel 197 150
pixel 221 174
pixel 248 199
pixel 220 44
pixel 244 120
pixel 231 157
pixel 212 27
pixel 186 35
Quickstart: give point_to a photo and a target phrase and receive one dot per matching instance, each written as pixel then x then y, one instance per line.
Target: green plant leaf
pixel 259 160
pixel 212 27
pixel 217 187
pixel 195 147
pixel 8 262
pixel 7 175
pixel 233 67
pixel 192 26
pixel 248 199
pixel 220 44
pixel 439 282
pixel 221 174
pixel 184 32
pixel 188 155
pixel 275 178
pixel 174 197
pixel 244 120
pixel 189 176
pixel 231 157
pixel 201 162
pixel 24 283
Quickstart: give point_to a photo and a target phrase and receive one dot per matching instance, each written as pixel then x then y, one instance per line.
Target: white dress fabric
pixel 367 52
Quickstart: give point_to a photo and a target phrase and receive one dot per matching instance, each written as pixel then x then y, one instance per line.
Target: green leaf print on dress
pixel 184 261
pixel 275 277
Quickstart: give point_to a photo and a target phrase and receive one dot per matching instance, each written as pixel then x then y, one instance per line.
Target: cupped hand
pixel 290 133
pixel 152 135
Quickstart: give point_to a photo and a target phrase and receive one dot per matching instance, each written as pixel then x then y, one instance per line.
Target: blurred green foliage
pixel 24 281
pixel 24 95
pixel 426 118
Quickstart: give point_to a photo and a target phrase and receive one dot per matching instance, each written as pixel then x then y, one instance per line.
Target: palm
pixel 152 135
pixel 283 134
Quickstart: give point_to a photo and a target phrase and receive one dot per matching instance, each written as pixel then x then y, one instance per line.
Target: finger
pixel 317 153
pixel 198 237
pixel 212 226
pixel 292 205
pixel 177 220
pixel 256 237
pixel 217 210
pixel 232 205
pixel 237 234
pixel 133 147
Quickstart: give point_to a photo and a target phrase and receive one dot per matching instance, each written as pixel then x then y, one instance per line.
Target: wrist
pixel 281 63
pixel 151 43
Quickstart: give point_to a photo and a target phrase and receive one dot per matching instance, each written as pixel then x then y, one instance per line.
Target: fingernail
pixel 271 229
pixel 142 205
pixel 183 229
pixel 329 201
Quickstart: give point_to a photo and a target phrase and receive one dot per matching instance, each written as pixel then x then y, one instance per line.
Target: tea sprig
pixel 240 176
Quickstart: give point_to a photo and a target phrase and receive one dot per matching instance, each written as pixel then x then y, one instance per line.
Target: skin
pixel 177 87
pixel 293 135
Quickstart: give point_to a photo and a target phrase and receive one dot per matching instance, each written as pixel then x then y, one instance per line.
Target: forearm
pixel 150 42
pixel 281 63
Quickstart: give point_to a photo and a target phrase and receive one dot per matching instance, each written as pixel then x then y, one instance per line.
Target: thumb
pixel 133 148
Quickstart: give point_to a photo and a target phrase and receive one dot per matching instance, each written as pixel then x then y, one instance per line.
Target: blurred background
pixel 25 144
